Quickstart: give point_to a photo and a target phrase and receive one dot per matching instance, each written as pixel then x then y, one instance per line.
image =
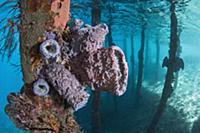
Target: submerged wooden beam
pixel 140 64
pixel 36 18
pixel 171 66
pixel 28 111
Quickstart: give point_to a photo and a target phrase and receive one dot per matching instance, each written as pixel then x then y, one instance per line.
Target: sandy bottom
pixel 182 114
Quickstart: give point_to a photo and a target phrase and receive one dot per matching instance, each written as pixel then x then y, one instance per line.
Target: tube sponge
pixel 85 63
pixel 104 70
pixel 88 38
pixel 50 49
pixel 40 87
pixel 78 100
pixel 66 84
pixel 95 38
pixel 40 114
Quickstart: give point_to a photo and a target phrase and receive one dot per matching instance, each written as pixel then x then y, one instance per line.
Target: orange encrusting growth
pixel 61 9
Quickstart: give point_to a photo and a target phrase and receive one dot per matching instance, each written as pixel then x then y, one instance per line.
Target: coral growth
pixel 40 114
pixel 82 62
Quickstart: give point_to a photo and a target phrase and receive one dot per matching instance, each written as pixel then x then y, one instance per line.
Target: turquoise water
pixel 10 81
pixel 120 114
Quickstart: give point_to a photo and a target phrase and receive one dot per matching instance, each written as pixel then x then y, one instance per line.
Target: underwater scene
pixel 99 66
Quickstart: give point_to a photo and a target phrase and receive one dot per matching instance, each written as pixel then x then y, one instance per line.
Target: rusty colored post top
pixel 61 8
pixel 58 8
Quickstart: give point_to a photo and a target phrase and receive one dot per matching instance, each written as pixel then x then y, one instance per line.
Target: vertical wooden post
pixel 36 18
pixel 141 64
pixel 133 60
pixel 157 58
pixel 96 120
pixel 168 89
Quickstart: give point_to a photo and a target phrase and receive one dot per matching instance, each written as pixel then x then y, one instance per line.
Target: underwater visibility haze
pixel 100 66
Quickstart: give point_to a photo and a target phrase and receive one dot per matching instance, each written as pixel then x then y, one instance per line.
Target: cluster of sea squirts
pixel 77 59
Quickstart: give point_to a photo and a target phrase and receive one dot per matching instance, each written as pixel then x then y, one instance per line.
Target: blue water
pixel 119 115
pixel 10 81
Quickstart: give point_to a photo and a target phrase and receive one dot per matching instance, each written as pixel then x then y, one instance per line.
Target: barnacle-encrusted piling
pixel 40 114
pixel 83 62
pixel 36 17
